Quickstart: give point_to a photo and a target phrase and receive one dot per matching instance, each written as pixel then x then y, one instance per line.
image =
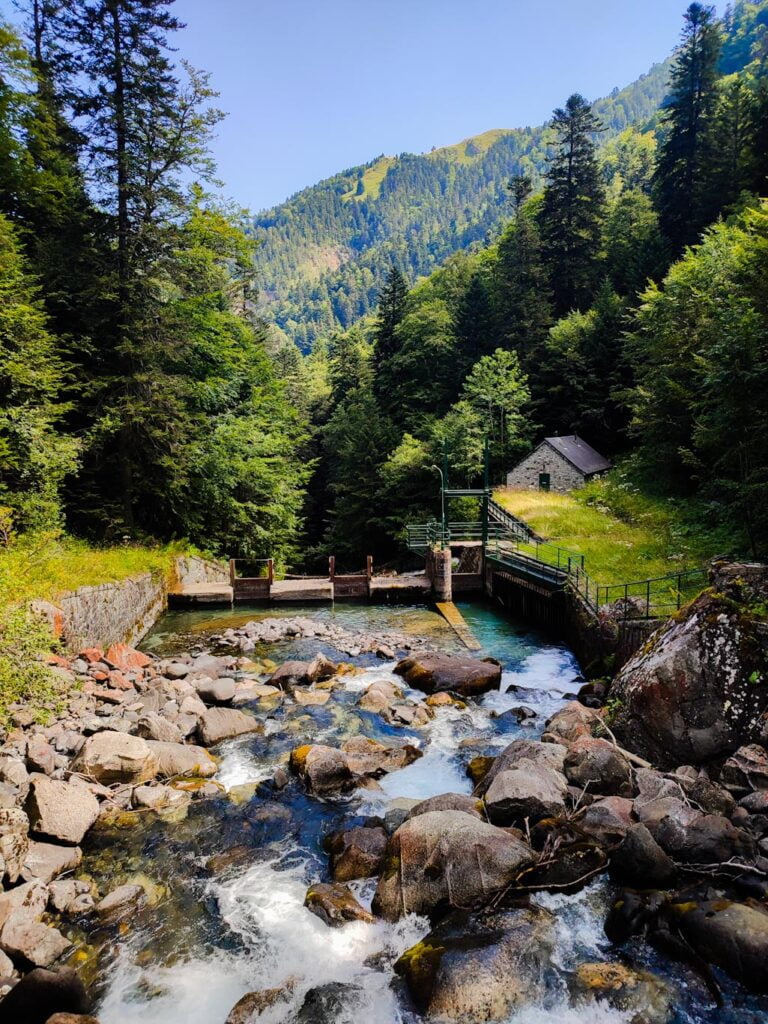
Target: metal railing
pixel 515 545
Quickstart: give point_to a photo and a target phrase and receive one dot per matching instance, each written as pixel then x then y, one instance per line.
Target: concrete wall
pixel 125 611
pixel 563 475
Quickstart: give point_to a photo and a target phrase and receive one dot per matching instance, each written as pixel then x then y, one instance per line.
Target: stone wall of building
pixel 563 476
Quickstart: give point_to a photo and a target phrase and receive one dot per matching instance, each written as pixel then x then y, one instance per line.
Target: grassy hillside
pixel 623 537
pixel 323 253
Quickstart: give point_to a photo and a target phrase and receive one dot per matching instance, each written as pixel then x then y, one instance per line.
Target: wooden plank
pixel 455 619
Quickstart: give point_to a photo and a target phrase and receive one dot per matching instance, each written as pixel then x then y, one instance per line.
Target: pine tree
pixel 572 209
pixel 523 297
pixel 682 182
pixel 731 163
pixel 520 187
pixel 390 313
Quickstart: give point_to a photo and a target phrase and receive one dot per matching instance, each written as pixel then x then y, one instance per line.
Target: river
pixel 216 929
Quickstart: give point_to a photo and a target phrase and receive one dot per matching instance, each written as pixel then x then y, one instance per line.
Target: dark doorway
pixel 543 481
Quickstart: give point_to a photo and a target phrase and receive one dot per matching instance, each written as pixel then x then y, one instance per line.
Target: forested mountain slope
pixel 324 252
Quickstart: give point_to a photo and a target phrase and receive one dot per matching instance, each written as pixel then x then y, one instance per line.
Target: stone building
pixel 558 464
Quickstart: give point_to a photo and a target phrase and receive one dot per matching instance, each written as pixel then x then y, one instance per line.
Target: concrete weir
pixel 456 620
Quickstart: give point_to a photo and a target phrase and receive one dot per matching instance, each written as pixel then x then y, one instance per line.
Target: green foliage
pixel 34 457
pixel 572 210
pixel 25 640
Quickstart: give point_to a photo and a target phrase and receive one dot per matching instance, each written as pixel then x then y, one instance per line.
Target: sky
pixel 312 87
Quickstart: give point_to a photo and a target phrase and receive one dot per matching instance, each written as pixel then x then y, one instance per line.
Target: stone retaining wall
pixel 123 611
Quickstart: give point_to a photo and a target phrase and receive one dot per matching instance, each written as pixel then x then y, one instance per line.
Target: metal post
pixel 648 599
pixel 232 572
pixel 442 504
pixel 331 566
pixel 486 487
pixel 271 570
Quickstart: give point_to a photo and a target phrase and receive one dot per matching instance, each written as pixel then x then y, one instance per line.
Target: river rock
pixel 14 772
pixel 528 790
pixel 547 755
pixel 449 802
pixel 366 756
pixel 434 672
pixel 116 757
pixel 407 712
pixel 219 724
pixel 379 696
pixel 59 810
pixel 153 726
pixel 29 941
pixel 686 697
pixel 640 862
pixel 310 697
pixel 120 903
pixel 41 757
pixel 607 820
pixel 41 994
pixel 324 770
pixel 252 1004
pixel 126 658
pixel 14 842
pixel 46 861
pixel 643 997
pixel 331 1004
pixel 303 673
pixel 708 796
pixel 734 936
pixel 182 759
pixel 159 798
pixel 746 769
pixel 707 839
pixel 446 859
pixel 31 897
pixel 215 691
pixel 356 853
pixel 596 765
pixel 335 905
pixel 69 895
pixel 479 968
pixel 572 722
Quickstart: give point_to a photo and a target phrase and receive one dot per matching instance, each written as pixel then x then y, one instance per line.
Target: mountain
pixel 323 253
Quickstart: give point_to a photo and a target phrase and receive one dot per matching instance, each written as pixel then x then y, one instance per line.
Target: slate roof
pixel 579 454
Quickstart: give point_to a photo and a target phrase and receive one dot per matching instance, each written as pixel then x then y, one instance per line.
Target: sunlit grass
pixel 44 567
pixel 645 541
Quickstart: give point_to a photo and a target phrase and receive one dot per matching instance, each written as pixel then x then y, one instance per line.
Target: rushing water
pixel 217 929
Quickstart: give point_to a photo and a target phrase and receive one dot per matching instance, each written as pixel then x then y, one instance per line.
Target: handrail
pixel 506 542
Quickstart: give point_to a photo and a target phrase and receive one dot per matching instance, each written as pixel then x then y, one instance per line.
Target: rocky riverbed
pixel 227 836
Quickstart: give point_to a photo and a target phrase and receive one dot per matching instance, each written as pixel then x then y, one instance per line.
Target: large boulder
pixel 356 853
pixel 46 861
pixel 28 941
pixel 435 673
pixel 528 790
pixel 597 766
pixel 182 759
pixel 379 695
pixel 446 859
pixel 449 802
pixel 746 769
pixel 42 993
pixel 734 936
pixel 707 839
pixel 643 997
pixel 545 755
pixel 303 673
pixel 219 724
pixel 335 905
pixel 640 862
pixel 481 967
pixel 60 810
pixel 571 723
pixel 116 757
pixel 698 688
pixel 324 770
pixel 366 756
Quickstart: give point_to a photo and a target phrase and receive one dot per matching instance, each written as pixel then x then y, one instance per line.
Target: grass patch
pixel 44 567
pixel 372 179
pixel 624 536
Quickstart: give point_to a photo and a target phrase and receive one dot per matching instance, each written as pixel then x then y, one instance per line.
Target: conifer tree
pixel 572 208
pixel 682 181
pixel 523 297
pixel 390 313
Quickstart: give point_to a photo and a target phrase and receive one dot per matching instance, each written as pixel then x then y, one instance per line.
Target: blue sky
pixel 314 86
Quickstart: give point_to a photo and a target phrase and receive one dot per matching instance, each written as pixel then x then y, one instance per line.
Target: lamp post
pixel 442 505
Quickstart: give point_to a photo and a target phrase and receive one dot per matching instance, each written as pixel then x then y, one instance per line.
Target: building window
pixel 543 481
